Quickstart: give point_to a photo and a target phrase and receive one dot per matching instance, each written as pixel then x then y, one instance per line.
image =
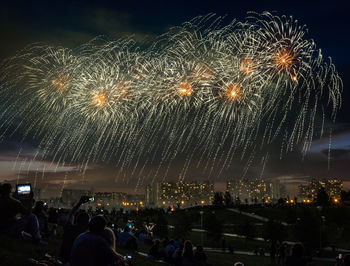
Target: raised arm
pixel 73 211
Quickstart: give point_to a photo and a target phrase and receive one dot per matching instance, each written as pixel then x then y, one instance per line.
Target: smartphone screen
pixel 23 190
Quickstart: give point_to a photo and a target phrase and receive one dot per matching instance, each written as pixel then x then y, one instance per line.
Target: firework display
pixel 202 90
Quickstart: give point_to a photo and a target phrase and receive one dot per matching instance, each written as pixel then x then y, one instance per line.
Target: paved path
pixel 255 216
pixel 240 252
pixel 264 219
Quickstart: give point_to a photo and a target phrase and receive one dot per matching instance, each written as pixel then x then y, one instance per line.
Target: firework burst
pixel 201 88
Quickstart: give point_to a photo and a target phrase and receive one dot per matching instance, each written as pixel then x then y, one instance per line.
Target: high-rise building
pixel 252 189
pixel 333 187
pixel 183 193
pixel 110 198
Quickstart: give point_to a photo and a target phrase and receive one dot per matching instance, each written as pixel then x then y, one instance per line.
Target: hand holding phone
pixel 85 199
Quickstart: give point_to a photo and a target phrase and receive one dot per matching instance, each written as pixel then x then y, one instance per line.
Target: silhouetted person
pixel 126 240
pixel 15 217
pixel 73 228
pixel 273 252
pixel 109 235
pixel 169 250
pixel 177 255
pixel 42 217
pixel 187 255
pixel 282 253
pixel 92 249
pixel 154 252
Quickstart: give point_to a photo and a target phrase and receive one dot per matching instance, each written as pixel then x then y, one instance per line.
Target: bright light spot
pixel 284 60
pixel 233 91
pixel 185 88
pixel 98 99
pixel 60 81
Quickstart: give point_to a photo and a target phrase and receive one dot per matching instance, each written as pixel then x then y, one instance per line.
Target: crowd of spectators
pixel 91 239
pixel 86 241
pixel 17 217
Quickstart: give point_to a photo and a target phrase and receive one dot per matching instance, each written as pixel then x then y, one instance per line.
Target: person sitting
pixel 16 219
pixel 154 252
pixel 142 236
pixel 187 255
pixel 169 250
pixel 42 217
pixel 177 255
pixel 109 235
pixel 73 228
pixel 92 249
pixel 127 241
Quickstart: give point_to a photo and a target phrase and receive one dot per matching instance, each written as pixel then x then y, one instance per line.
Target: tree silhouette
pixel 228 199
pixel 218 199
pixel 322 198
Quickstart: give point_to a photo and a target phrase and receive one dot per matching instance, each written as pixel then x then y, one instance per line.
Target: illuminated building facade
pixel 183 193
pixel 254 189
pixel 333 187
pixel 109 200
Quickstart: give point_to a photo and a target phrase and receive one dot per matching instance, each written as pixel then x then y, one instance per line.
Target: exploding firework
pixel 202 88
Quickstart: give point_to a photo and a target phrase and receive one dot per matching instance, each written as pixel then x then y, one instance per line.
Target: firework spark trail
pixel 202 91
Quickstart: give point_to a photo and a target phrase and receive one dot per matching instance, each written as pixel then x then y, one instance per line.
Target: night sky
pixel 72 23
